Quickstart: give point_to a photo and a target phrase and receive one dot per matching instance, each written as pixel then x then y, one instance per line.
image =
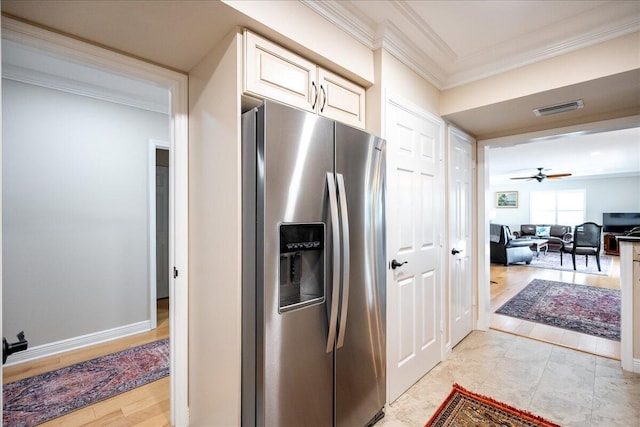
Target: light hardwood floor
pixel 149 405
pixel 144 406
pixel 512 279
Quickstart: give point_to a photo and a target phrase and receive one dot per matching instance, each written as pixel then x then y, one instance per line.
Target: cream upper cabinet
pixel 340 99
pixel 271 71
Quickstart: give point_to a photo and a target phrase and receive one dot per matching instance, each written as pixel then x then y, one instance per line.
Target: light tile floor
pixel 565 386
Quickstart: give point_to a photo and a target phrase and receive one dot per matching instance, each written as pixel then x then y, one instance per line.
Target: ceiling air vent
pixel 558 108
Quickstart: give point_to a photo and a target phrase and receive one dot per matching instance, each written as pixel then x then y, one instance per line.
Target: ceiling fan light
pixel 558 108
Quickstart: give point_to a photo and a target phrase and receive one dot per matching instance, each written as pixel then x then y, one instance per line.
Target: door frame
pixel 485 198
pixel 154 144
pixel 177 85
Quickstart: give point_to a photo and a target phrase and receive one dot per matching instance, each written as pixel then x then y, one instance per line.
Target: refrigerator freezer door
pixel 294 153
pixel 360 362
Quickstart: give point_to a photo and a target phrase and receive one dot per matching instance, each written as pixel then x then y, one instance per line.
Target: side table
pixel 538 245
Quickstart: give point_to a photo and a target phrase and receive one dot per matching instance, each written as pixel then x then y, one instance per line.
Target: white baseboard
pixel 447 351
pixel 75 343
pixel 636 366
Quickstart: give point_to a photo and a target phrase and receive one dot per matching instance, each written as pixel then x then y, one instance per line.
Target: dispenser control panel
pixel 302 258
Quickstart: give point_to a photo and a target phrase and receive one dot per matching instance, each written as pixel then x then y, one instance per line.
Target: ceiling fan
pixel 541 176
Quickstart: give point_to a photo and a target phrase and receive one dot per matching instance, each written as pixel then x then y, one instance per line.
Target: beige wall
pixel 214 237
pixel 374 99
pixel 601 60
pixel 400 80
pixel 393 78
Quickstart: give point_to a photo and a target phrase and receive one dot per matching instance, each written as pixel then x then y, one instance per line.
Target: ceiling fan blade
pixel 558 175
pixel 540 176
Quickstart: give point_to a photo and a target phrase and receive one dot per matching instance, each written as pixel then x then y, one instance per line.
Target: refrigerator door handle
pixel 346 259
pixel 335 227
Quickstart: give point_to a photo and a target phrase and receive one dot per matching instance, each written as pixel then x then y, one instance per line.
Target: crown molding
pixel 76 87
pixel 347 19
pixel 34 56
pixel 608 32
pixel 392 40
pixel 86 53
pixel 440 67
pixel 421 25
pixel 386 36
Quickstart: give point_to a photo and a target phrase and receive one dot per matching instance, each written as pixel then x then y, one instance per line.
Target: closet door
pixel 415 226
pixel 460 250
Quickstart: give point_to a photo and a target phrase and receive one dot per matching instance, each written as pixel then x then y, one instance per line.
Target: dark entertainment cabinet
pixel 617 224
pixel 611 244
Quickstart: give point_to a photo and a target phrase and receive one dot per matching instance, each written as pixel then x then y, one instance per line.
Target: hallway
pixel 147 405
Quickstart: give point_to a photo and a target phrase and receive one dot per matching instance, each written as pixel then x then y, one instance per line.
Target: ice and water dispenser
pixel 301 265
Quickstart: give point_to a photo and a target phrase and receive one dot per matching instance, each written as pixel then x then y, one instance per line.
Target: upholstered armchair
pixel 587 240
pixel 507 250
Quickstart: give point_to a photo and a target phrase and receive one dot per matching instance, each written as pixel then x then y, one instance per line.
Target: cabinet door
pixel 273 72
pixel 340 99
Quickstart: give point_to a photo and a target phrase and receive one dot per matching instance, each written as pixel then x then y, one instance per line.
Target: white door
pixel 460 235
pixel 414 232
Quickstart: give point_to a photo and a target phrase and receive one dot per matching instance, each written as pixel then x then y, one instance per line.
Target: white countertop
pixel 628 239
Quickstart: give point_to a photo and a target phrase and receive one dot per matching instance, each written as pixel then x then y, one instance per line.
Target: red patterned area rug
pixel 585 309
pixel 463 408
pixel 34 400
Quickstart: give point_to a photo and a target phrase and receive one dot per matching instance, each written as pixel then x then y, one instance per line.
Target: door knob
pixel 395 264
pixel 454 251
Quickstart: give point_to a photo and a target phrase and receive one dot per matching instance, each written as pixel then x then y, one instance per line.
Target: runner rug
pixel 580 308
pixel 463 408
pixel 34 400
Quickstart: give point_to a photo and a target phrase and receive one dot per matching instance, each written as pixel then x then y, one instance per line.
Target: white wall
pixel 75 215
pixel 602 195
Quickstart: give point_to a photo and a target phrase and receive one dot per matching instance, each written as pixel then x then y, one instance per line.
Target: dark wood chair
pixel 586 241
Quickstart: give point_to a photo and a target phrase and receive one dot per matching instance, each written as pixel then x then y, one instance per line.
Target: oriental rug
pixel 585 309
pixel 34 400
pixel 551 260
pixel 463 408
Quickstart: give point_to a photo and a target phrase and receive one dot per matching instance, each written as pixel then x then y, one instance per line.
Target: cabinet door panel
pixel 341 100
pixel 273 72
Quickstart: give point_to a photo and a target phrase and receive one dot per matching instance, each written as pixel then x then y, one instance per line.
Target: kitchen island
pixel 630 302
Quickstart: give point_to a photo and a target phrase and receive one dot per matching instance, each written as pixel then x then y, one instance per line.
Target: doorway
pixel 486 213
pixel 121 69
pixel 159 189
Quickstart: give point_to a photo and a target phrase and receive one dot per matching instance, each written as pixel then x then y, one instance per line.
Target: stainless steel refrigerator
pixel 313 271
